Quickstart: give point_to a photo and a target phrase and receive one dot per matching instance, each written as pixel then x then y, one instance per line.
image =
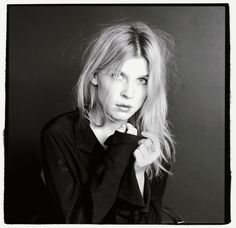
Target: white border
pixel 3 6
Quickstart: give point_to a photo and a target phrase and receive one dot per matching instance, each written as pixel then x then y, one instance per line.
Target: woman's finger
pixel 146 142
pixel 150 135
pixel 149 145
pixel 153 137
pixel 141 141
pixel 143 149
pixel 145 157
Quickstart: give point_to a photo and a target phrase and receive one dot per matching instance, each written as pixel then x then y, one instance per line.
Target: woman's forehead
pixel 135 66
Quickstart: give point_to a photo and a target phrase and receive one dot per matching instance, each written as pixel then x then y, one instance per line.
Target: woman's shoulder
pixel 62 123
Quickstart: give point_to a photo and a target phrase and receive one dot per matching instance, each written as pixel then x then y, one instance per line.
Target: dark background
pixel 45 44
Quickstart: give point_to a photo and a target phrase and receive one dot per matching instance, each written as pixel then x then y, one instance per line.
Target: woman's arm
pixel 76 204
pixel 140 179
pixel 63 182
pixel 146 153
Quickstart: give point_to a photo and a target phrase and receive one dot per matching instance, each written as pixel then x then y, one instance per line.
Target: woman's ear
pixel 94 79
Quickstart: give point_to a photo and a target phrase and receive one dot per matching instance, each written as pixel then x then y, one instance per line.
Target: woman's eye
pixel 143 81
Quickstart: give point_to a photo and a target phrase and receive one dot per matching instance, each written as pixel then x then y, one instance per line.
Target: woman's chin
pixel 120 117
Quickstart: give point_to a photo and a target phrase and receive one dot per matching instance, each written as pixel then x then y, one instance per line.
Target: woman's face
pixel 121 95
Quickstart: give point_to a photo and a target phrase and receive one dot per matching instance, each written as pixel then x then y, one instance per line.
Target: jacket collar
pixel 84 136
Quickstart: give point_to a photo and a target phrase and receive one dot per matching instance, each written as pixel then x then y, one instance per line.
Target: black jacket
pixel 92 185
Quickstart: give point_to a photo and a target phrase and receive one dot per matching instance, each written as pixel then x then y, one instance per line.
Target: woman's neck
pixel 103 129
pixel 103 132
pixel 102 122
pixel 108 127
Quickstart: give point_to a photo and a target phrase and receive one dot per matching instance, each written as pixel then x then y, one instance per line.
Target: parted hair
pixel 108 50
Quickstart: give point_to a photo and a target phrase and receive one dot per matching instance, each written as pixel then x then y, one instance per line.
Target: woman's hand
pixel 147 152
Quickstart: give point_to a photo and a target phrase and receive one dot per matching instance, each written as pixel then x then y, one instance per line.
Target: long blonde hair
pixel 109 49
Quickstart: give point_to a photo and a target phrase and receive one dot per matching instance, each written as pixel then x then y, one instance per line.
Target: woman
pixel 108 161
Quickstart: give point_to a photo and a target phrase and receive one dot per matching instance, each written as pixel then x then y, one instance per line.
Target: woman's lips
pixel 124 107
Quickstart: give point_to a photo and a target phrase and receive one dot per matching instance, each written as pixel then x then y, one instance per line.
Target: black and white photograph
pixel 117 114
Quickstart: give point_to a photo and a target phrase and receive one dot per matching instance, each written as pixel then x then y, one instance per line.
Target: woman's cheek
pixel 143 94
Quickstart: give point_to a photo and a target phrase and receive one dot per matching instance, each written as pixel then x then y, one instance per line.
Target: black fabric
pixel 89 184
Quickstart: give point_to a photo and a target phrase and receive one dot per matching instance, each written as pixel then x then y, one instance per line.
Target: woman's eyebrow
pixel 141 76
pixel 145 76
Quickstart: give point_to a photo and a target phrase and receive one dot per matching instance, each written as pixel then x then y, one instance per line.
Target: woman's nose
pixel 128 91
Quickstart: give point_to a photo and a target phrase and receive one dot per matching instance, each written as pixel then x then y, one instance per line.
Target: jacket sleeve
pixel 90 204
pixel 158 187
pixel 106 181
pixel 62 182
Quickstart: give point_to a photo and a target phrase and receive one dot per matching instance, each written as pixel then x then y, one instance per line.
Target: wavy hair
pixel 109 49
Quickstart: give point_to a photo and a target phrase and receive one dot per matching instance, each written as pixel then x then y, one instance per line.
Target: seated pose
pixel 108 160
